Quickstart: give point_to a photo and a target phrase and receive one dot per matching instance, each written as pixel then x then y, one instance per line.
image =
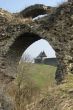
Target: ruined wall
pixel 17 33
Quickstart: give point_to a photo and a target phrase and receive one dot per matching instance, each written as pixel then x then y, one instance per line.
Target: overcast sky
pixel 16 6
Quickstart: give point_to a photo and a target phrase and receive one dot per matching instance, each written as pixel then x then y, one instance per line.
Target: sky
pixel 38 46
pixel 18 5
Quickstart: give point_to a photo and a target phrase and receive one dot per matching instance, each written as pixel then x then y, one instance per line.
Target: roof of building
pixel 42 54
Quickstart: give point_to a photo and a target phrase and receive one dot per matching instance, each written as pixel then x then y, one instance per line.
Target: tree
pixel 26 58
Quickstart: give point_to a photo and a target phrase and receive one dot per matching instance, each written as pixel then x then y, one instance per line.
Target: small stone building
pixel 40 58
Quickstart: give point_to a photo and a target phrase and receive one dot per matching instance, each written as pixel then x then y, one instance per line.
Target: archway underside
pixel 16 50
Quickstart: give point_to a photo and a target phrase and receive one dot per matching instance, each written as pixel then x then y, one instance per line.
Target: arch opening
pixel 19 45
pixel 42 46
pixel 37 62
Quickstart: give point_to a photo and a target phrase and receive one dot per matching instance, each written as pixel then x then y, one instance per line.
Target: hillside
pixel 35 89
pixel 38 89
pixel 32 84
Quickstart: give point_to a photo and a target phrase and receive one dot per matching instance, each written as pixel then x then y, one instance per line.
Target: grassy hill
pixel 35 89
pixel 41 75
pixel 31 84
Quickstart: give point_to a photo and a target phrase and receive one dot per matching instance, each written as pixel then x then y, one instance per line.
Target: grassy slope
pixel 33 81
pixel 41 75
pixel 35 89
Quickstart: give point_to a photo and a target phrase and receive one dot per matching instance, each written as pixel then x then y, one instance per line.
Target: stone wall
pixel 50 61
pixel 16 34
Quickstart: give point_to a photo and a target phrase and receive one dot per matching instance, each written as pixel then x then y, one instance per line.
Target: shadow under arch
pixel 13 56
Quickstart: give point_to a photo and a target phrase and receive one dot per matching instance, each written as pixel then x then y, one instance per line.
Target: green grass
pixel 40 74
pixel 43 74
pixel 32 83
pixel 35 87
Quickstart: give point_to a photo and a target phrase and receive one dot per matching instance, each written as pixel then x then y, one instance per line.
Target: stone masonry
pixel 19 30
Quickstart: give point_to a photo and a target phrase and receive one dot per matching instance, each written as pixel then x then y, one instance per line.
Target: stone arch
pixel 20 41
pixel 20 44
pixel 56 28
pixel 35 10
